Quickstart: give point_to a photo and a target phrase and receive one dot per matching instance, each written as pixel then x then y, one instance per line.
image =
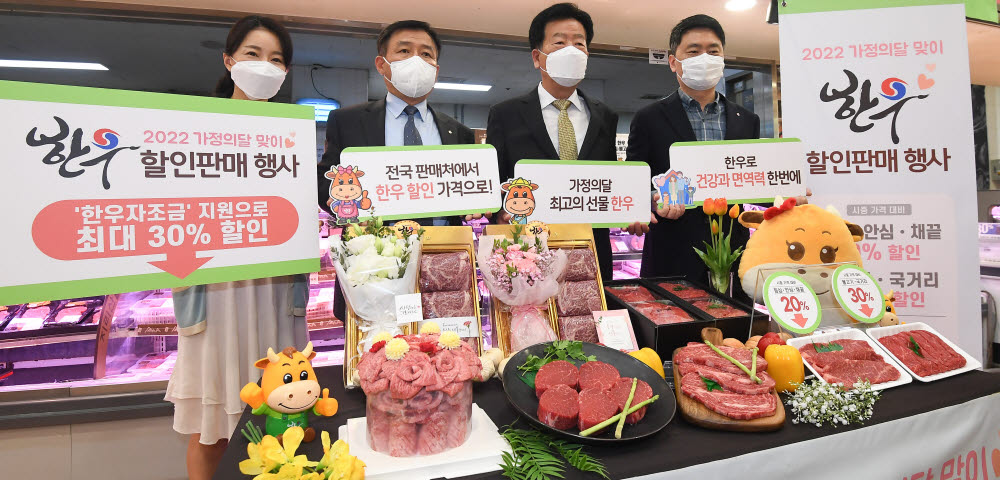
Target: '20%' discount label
pixel 792 302
pixel 858 293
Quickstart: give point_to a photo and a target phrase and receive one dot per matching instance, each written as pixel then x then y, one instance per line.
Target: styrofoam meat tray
pixel 970 362
pixel 852 334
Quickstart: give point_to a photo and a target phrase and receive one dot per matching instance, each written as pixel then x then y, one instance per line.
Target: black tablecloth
pixel 677 446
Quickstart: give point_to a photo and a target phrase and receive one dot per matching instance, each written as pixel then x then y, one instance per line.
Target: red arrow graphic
pixel 867 310
pixel 181 263
pixel 800 320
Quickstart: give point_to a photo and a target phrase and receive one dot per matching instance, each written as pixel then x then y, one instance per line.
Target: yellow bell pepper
pixel 784 365
pixel 649 357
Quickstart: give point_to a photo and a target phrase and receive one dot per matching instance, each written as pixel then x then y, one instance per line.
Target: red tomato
pixel 767 340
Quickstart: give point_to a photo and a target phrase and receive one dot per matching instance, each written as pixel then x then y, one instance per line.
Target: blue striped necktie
pixel 410 134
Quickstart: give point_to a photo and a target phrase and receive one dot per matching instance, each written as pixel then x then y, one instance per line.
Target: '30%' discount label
pixel 792 302
pixel 858 293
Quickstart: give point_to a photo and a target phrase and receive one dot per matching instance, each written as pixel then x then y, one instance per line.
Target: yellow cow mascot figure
pixel 287 390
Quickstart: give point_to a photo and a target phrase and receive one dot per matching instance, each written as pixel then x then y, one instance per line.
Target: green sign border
pixel 151 281
pixel 977 9
pixel 776 317
pixel 43 92
pixel 842 303
pixel 737 142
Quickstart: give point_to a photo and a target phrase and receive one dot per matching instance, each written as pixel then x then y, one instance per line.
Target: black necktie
pixel 410 134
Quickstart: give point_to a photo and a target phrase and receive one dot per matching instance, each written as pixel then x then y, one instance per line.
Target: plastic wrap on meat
pixel 445 272
pixel 580 265
pixel 447 304
pixel 578 327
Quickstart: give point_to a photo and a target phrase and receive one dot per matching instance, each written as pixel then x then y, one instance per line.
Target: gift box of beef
pixel 580 294
pixel 669 312
pixel 447 286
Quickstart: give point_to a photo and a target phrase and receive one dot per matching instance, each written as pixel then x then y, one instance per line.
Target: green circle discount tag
pixel 858 293
pixel 792 302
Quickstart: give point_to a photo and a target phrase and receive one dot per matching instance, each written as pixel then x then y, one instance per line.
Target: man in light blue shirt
pixel 396 118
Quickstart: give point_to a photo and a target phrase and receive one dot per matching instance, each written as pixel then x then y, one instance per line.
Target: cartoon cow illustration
pixel 797 239
pixel 287 390
pixel 347 199
pixel 519 201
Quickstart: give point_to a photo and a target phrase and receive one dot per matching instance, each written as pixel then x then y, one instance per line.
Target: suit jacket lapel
pixel 531 112
pixel 677 118
pixel 447 131
pixel 374 124
pixel 593 129
pixel 734 121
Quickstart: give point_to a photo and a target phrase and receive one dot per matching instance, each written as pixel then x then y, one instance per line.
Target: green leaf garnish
pixel 557 350
pixel 536 455
pixel 915 347
pixel 711 384
pixel 679 288
pixel 829 347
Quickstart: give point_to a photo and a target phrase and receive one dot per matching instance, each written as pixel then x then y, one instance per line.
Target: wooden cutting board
pixel 695 412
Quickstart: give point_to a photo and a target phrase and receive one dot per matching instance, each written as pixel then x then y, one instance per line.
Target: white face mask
pixel 567 66
pixel 413 77
pixel 702 72
pixel 258 79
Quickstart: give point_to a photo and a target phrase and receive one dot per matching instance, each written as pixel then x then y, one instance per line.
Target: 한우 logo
pixel 106 139
pixel 893 88
pixel 856 99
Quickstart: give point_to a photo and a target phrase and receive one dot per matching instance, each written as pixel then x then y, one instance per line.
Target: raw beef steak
pixel 580 328
pixel 445 272
pixel 737 383
pixel 597 375
pixel 856 362
pixel 447 304
pixel 662 313
pixel 559 407
pixel 717 309
pixel 683 291
pixel 702 354
pixel 580 265
pixel 643 392
pixel 559 372
pixel 737 406
pixel 631 293
pixel 596 406
pixel 937 358
pixel 578 298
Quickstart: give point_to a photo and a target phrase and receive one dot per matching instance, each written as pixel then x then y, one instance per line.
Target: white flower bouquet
pixel 819 403
pixel 374 263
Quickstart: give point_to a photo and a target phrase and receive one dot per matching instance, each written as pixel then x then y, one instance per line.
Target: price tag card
pixel 614 330
pixel 409 308
pixel 465 327
pixel 397 183
pixel 602 193
pixel 792 302
pixel 741 171
pixel 858 293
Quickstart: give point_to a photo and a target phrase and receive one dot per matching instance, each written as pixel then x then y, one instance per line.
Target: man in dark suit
pixel 696 112
pixel 556 120
pixel 408 53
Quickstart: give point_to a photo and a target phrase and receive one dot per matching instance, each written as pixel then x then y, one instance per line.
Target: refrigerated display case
pixel 989 277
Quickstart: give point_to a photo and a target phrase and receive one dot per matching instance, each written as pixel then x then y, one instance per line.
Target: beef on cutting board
pixel 559 407
pixel 598 375
pixel 737 406
pixel 559 372
pixel 737 383
pixel 702 354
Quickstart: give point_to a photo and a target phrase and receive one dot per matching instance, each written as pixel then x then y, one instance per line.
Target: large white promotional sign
pixel 397 183
pixel 880 99
pixel 751 171
pixel 601 193
pixel 111 191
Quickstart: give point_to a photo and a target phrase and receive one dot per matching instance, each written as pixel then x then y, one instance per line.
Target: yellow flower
pixel 715 226
pixel 272 451
pixel 288 472
pixel 735 211
pixel 337 461
pixel 430 327
pixel 381 336
pixel 450 340
pixel 396 349
pixel 256 463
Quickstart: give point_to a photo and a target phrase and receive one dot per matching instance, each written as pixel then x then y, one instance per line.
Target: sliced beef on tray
pixel 598 375
pixel 857 361
pixel 559 407
pixel 631 293
pixel 580 265
pixel 578 298
pixel 445 272
pixel 662 313
pixel 596 406
pixel 643 392
pixel 683 291
pixel 737 383
pixel 702 354
pixel 937 358
pixel 559 372
pixel 737 406
pixel 579 327
pixel 447 304
pixel 717 309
